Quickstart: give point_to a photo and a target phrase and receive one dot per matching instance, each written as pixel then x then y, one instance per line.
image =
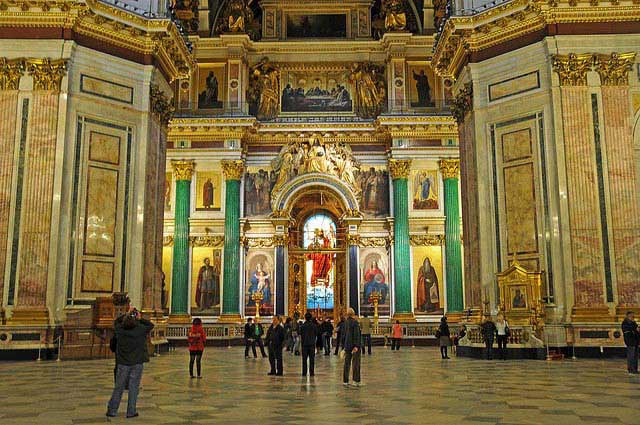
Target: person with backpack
pixel 502 333
pixel 197 337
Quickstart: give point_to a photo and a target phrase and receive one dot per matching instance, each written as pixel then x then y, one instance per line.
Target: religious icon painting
pixel 258 184
pixel 211 86
pixel 374 281
pixel 425 190
pixel 206 273
pixel 421 86
pixel 208 191
pixel 316 91
pixel 428 281
pixel 259 283
pixel 168 182
pixel 518 297
pixel 373 183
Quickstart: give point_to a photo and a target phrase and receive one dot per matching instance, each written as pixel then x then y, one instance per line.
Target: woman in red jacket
pixel 197 338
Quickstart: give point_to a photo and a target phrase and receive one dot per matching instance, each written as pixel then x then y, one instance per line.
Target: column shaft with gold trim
pixel 450 169
pixel 233 171
pixel 183 171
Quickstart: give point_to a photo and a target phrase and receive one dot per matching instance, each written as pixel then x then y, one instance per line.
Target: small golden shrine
pixel 520 296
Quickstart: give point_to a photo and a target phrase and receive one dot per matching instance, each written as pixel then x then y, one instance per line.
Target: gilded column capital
pixel 47 74
pixel 160 105
pixel 572 68
pixel 233 169
pixel 450 168
pixel 183 170
pixel 10 73
pixel 399 168
pixel 614 69
pixel 462 103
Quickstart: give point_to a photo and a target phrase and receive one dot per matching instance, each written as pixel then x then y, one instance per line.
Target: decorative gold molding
pixel 450 168
pixel 233 169
pixel 10 73
pixel 426 240
pixel 353 239
pixel 264 242
pixel 281 240
pixel 614 69
pixel 463 102
pixel 160 105
pixel 374 241
pixel 183 170
pixel 47 74
pixel 167 240
pixel 206 241
pixel 399 168
pixel 572 68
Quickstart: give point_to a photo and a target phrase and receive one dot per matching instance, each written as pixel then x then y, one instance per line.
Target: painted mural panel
pixel 211 86
pixel 428 280
pixel 259 278
pixel 306 90
pixel 259 183
pixel 374 278
pixel 206 272
pixel 168 188
pixel 374 184
pixel 421 86
pixel 317 26
pixel 208 191
pixel 426 190
pixel 101 209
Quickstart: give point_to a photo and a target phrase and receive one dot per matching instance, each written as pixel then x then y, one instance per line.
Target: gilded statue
pixel 187 12
pixel 395 17
pixel 370 89
pixel 316 156
pixel 263 92
pixel 237 17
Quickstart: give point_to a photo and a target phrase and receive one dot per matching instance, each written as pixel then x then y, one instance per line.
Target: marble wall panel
pixel 625 206
pixel 514 86
pixel 584 214
pixel 520 209
pixel 516 145
pixel 35 228
pixel 101 212
pixel 8 126
pixel 97 276
pixel 104 148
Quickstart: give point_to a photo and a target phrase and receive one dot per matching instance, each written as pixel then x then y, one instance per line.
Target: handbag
pixel 342 354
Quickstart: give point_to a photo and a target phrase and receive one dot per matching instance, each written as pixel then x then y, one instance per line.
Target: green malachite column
pixel 183 170
pixel 450 169
pixel 232 171
pixel 399 170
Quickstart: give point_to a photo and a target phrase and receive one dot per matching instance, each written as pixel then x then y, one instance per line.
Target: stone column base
pixel 230 318
pixel 456 316
pixel 29 316
pixel 404 317
pixel 591 314
pixel 179 319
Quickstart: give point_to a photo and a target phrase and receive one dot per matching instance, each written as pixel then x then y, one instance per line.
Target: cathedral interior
pixel 409 159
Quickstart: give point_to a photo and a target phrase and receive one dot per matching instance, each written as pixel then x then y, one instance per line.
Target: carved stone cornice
pixel 353 240
pixel 374 241
pixel 233 169
pixel 614 69
pixel 264 241
pixel 280 240
pixel 167 240
pixel 450 168
pixel 10 73
pixel 463 103
pixel 572 68
pixel 426 240
pixel 183 170
pixel 399 168
pixel 206 241
pixel 47 74
pixel 160 105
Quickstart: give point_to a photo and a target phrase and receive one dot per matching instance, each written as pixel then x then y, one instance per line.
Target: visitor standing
pixel 339 328
pixel 196 338
pixel 444 337
pixel 249 338
pixel 288 339
pixel 396 336
pixel 461 334
pixel 327 334
pixel 365 325
pixel 351 341
pixel 308 336
pixel 275 343
pixel 131 353
pixel 631 340
pixel 259 333
pixel 488 330
pixel 295 332
pixel 502 332
pixel 319 338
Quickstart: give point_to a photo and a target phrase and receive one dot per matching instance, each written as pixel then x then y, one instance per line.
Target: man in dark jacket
pixel 631 340
pixel 327 333
pixel 309 336
pixel 275 342
pixel 351 341
pixel 250 338
pixel 259 333
pixel 339 327
pixel 131 353
pixel 488 330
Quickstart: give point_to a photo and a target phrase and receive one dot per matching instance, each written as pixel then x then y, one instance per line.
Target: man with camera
pixel 131 353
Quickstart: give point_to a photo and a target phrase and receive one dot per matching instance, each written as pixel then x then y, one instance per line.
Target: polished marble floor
pixel 412 386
